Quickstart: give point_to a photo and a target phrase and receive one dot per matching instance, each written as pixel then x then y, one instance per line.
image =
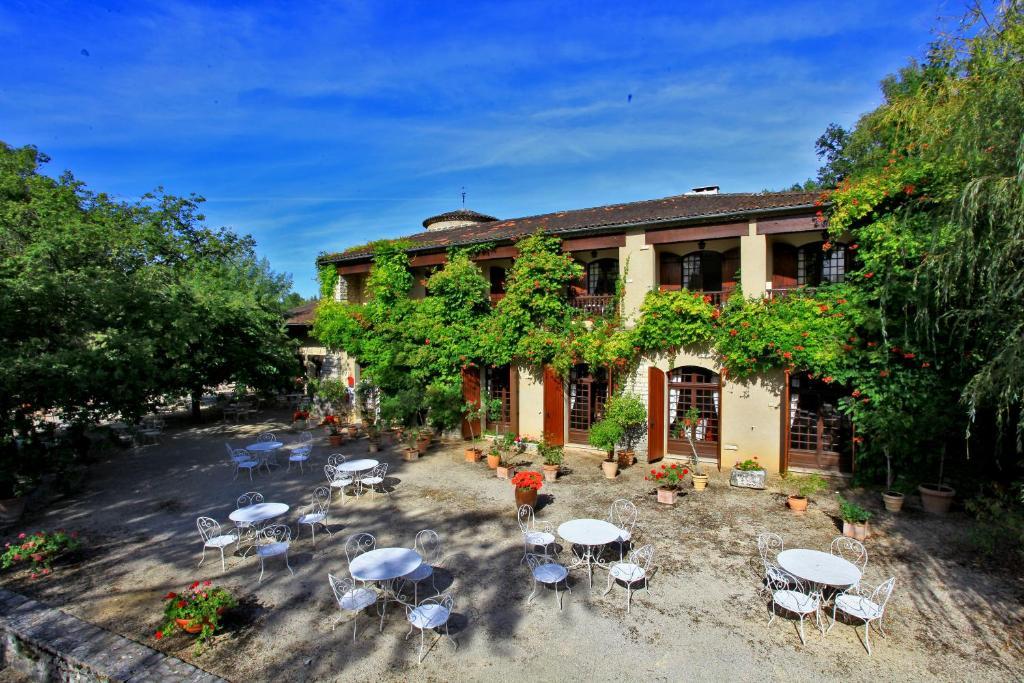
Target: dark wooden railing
pixel 780 292
pixel 718 297
pixel 496 297
pixel 596 304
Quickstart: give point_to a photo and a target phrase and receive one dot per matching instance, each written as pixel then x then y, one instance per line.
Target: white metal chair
pixel 769 545
pixel 534 535
pixel 623 515
pixel 351 599
pixel 865 604
pixel 432 614
pixel 300 454
pixel 152 428
pixel 267 436
pixel 274 541
pixel 242 459
pixel 374 479
pixel 213 537
pixel 248 498
pixel 790 594
pixel 335 459
pixel 338 480
pixel 636 570
pixel 428 544
pixel 850 549
pixel 357 544
pixel 316 513
pixel 545 569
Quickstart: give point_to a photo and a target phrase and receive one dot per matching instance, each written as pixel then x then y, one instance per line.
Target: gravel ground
pixel 950 618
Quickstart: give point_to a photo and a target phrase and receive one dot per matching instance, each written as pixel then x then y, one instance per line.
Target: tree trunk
pixel 197 404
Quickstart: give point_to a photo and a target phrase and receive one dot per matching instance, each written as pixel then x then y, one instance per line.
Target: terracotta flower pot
pixel 526 497
pixel 422 445
pixel 493 461
pixel 336 439
pixel 374 446
pixel 473 454
pixel 857 531
pixel 503 472
pixel 626 458
pixel 936 498
pixel 410 454
pixel 667 496
pixel 189 626
pixel 893 501
pixel 353 431
pixel 797 504
pixel 700 482
pixel 550 472
pixel 610 468
pixel 11 510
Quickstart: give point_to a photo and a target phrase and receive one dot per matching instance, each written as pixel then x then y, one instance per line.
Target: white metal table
pixel 384 565
pixel 264 449
pixel 818 568
pixel 356 466
pixel 590 534
pixel 255 516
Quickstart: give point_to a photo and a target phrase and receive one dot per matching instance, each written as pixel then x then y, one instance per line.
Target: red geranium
pixel 528 480
pixel 670 476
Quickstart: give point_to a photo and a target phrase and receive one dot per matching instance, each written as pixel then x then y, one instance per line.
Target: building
pixel 769 243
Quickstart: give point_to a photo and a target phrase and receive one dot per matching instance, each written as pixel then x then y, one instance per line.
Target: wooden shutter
pixel 554 408
pixel 671 272
pixel 730 266
pixel 655 414
pixel 513 401
pixel 783 265
pixel 471 393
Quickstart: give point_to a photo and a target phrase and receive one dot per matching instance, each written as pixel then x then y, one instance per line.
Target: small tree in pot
pixel 855 519
pixel 630 414
pixel 553 456
pixel 802 488
pixel 700 480
pixel 606 435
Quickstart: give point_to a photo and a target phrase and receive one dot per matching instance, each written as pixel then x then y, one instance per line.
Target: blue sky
pixel 315 126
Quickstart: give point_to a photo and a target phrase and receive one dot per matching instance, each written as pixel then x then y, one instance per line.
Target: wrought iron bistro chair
pixel 428 544
pixel 769 545
pixel 374 479
pixel 247 528
pixel 850 549
pixel 213 537
pixel 242 459
pixel 316 513
pixel 274 541
pixel 534 535
pixel 866 604
pixel 300 453
pixel 790 594
pixel 636 570
pixel 546 570
pixel 623 516
pixel 338 480
pixel 351 599
pixel 357 544
pixel 432 614
pixel 335 459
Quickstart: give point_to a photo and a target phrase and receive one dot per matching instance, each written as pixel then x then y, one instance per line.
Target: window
pixel 497 280
pixel 697 388
pixel 588 392
pixel 816 266
pixel 602 275
pixel 697 271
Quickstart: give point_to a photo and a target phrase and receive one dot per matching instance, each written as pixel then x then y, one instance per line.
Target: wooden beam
pixel 498 253
pixel 593 243
pixel 695 233
pixel 428 260
pixel 775 226
pixel 354 269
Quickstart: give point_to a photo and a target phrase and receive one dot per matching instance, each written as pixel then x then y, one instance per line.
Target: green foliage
pixel 807 485
pixel 629 412
pixel 606 435
pixel 999 528
pixel 198 604
pixel 335 392
pixel 749 465
pixel 552 455
pixel 671 321
pixel 328 278
pixel 38 550
pixel 853 513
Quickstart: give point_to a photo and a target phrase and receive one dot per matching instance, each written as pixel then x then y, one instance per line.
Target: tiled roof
pixel 302 315
pixel 687 208
pixel 459 215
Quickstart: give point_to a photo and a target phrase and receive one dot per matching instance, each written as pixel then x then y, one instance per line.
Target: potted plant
pixel 474 412
pixel 410 452
pixel 855 519
pixel 606 434
pixel 527 484
pixel 699 479
pixel 669 479
pixel 747 474
pixel 423 438
pixel 508 447
pixel 197 609
pixel 630 414
pixel 373 437
pixel 333 429
pixel 299 418
pixel 553 456
pixel 39 550
pixel 802 488
pixel 936 498
pixel 494 456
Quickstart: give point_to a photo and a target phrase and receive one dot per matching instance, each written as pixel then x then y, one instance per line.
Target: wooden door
pixel 655 414
pixel 730 269
pixel 820 435
pixel 671 276
pixel 471 393
pixel 554 408
pixel 784 271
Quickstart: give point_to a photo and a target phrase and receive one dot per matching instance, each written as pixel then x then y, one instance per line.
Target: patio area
pixel 950 617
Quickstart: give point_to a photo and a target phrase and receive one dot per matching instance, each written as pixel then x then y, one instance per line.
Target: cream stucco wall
pixel 531 403
pixel 753 263
pixel 638 267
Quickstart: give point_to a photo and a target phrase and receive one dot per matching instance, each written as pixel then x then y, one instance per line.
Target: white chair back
pixel 249 498
pixel 357 544
pixel 769 545
pixel 208 528
pixel 623 514
pixel 526 518
pixel 428 544
pixel 335 459
pixel 341 587
pixel 850 549
pixel 267 436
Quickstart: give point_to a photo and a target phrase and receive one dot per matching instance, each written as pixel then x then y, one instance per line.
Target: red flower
pixel 158 635
pixel 427 342
pixel 194 585
pixel 707 299
pixel 926 364
pixel 21 535
pixel 733 333
pixel 855 393
pixel 170 596
pixel 908 356
pixel 181 603
pixel 744 324
pixel 827 379
pixel 686 471
pixel 858 439
pixel 872 344
pixel 855 246
pixel 826 246
pixel 207 583
pixel 787 355
pixel 823 308
pixel 798 348
pixel 869 275
pixel 909 189
pixel 805 334
pixel 716 313
pixel 883 373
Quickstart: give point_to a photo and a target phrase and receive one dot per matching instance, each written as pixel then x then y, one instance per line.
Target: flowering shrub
pixel 39 549
pixel 331 422
pixel 198 604
pixel 527 480
pixel 668 476
pixel 300 415
pixel 748 465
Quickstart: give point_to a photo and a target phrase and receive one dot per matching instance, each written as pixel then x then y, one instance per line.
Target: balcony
pixel 496 297
pixel 781 292
pixel 593 304
pixel 718 297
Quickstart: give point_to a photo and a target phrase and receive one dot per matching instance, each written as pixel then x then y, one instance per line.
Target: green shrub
pixel 605 434
pixel 853 513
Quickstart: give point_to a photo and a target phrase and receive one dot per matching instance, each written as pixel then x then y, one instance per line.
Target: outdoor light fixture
pixel 701 245
pixel 593 254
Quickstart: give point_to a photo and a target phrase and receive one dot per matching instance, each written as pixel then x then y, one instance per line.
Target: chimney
pixel 707 189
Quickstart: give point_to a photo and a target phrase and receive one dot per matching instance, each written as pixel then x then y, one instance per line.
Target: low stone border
pixel 47 644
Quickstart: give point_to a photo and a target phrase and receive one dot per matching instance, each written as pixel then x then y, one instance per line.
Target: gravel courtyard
pixel 950 618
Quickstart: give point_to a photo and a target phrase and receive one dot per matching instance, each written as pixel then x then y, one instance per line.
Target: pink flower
pixel 21 535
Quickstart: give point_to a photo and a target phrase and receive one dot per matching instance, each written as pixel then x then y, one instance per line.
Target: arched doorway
pixel 818 435
pixel 588 392
pixel 700 389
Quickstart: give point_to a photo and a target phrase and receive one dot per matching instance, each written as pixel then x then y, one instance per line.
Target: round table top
pixel 258 512
pixel 384 564
pixel 818 567
pixel 589 531
pixel 264 446
pixel 358 465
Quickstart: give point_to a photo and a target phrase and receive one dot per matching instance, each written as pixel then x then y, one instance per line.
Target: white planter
pixel 747 479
